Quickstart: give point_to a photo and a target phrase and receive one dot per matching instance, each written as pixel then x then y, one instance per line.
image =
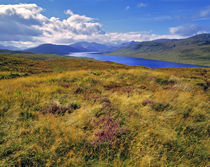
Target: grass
pixel 90 113
pixel 12 65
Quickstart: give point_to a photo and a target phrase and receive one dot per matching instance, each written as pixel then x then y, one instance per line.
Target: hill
pixel 193 50
pixel 29 55
pixel 77 47
pixel 93 46
pixel 54 49
pixel 72 112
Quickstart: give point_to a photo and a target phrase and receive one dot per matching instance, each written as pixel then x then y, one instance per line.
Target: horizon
pixel 29 23
pixel 116 44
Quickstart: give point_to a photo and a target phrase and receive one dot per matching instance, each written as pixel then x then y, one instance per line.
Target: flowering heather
pixel 104 114
pixel 108 129
pixel 145 102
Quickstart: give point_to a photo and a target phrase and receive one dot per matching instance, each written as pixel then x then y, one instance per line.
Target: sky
pixel 27 23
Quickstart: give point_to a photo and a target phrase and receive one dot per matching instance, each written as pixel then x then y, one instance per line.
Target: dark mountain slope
pixel 54 49
pixel 193 50
pixel 77 47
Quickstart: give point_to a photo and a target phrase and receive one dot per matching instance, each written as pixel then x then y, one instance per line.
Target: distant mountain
pixel 54 49
pixel 127 44
pixel 66 49
pixel 93 46
pixel 193 50
pixel 77 47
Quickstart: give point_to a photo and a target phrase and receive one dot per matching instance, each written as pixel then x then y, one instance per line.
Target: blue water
pixel 132 60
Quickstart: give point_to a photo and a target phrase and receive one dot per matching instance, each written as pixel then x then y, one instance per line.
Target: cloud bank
pixel 23 25
pixel 188 30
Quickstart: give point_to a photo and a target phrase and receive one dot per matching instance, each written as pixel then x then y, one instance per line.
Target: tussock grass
pixel 111 115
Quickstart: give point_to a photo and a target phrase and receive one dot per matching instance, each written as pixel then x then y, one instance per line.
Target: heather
pixel 102 114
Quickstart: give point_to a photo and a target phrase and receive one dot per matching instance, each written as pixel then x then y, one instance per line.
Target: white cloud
pixel 140 5
pixel 206 12
pixel 69 12
pixel 19 22
pixel 188 30
pixel 24 22
pixel 24 25
pixel 127 7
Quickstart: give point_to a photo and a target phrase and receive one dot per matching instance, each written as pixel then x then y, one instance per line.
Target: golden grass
pixel 112 126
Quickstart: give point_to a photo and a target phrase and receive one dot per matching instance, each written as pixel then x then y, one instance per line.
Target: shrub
pixel 155 105
pixel 159 106
pixel 59 110
pixel 145 102
pixel 112 86
pixel 108 130
pixel 78 90
pixel 163 81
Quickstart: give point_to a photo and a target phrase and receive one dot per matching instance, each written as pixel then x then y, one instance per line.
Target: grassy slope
pixel 29 55
pixel 110 115
pixel 13 67
pixel 194 50
pixel 195 56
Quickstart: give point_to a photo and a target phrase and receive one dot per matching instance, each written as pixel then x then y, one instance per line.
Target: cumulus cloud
pixel 19 22
pixel 24 25
pixel 69 12
pixel 188 30
pixel 24 22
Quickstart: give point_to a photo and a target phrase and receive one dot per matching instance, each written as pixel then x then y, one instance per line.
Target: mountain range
pixel 77 47
pixel 193 50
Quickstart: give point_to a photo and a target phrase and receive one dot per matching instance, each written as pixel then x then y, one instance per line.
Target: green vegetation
pixel 14 65
pixel 72 112
pixel 194 50
pixel 29 55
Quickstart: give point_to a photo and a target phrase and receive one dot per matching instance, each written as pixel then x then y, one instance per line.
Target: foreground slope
pixel 91 113
pixel 194 50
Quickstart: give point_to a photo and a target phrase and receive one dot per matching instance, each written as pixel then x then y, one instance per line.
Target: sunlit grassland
pixel 14 67
pixel 90 113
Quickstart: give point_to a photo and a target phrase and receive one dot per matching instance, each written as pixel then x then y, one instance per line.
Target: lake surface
pixel 132 60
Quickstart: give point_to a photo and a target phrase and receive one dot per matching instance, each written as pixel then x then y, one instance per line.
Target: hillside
pixel 194 50
pixel 29 55
pixel 54 49
pixel 72 112
pixel 14 64
pixel 93 46
pixel 66 49
pixel 77 47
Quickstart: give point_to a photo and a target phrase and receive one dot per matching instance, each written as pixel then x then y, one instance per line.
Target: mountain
pixel 66 49
pixel 54 49
pixel 97 47
pixel 127 44
pixel 77 47
pixel 94 47
pixel 193 50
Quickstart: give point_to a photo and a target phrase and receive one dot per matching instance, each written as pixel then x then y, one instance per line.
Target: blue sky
pixel 150 18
